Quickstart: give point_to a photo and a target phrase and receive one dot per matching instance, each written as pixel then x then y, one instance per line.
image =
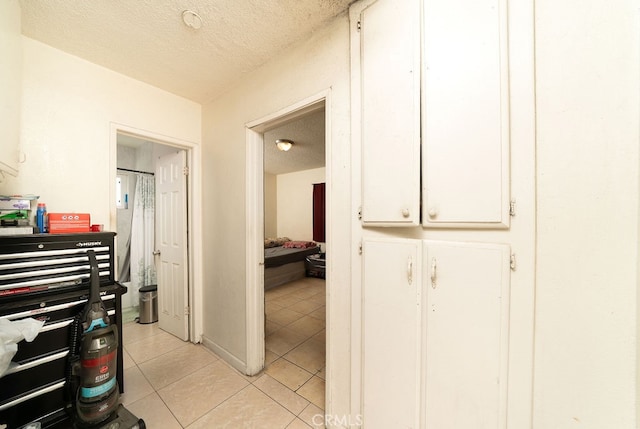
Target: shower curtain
pixel 143 272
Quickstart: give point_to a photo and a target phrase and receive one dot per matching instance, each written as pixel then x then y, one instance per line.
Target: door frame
pixel 193 215
pixel 255 222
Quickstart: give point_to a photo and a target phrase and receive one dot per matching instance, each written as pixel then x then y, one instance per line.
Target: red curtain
pixel 318 212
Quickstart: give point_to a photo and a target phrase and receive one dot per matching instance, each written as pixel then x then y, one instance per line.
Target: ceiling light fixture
pixel 191 19
pixel 284 144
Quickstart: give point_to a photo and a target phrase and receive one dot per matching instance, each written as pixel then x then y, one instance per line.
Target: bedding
pixel 275 242
pixel 285 261
pixel 299 244
pixel 275 256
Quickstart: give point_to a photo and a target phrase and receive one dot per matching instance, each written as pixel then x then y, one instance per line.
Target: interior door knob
pixel 156 252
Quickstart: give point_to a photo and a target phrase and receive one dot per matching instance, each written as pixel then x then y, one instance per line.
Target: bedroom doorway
pixel 287 322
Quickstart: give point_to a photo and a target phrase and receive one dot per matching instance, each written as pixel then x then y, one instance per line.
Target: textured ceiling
pixel 148 41
pixel 308 149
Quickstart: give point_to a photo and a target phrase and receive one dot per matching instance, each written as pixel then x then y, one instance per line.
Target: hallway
pixel 172 384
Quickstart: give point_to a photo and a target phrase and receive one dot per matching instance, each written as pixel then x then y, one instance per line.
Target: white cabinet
pixel 435 320
pixel 465 113
pixel 10 85
pixel 466 336
pixel 431 96
pixel 390 107
pixel 391 320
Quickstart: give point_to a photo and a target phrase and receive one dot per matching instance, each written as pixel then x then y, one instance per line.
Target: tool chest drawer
pixel 47 400
pixel 58 314
pixel 31 376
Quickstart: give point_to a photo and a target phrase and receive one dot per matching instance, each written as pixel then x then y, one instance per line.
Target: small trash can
pixel 148 304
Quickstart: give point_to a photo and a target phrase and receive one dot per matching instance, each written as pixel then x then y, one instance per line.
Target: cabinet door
pixel 390 85
pixel 466 337
pixel 391 320
pixel 465 116
pixel 10 85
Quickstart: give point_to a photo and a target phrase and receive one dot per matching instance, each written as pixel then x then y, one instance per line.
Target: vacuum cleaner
pixel 93 390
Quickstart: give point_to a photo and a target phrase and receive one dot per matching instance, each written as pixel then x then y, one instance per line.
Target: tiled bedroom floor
pixel 172 384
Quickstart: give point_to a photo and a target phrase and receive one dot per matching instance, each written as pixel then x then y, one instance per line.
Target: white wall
pixel 295 203
pixel 270 206
pixel 10 83
pixel 587 230
pixel 68 106
pixel 318 63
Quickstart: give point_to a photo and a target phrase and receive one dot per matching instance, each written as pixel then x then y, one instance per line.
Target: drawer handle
pixel 43 310
pixel 54 326
pixel 37 362
pixel 29 313
pixel 24 398
pixel 45 253
pixel 69 280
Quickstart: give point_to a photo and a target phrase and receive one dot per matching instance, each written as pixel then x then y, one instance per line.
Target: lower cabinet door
pixel 391 321
pixel 466 337
pixel 435 321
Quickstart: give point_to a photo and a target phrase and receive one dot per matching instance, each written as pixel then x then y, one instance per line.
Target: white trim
pixel 194 211
pixel 273 120
pixel 356 226
pixel 255 251
pixel 226 356
pixel 255 228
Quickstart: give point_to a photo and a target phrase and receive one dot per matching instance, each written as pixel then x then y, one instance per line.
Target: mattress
pixel 276 256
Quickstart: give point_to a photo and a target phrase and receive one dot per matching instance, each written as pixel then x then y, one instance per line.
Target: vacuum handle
pixel 94 290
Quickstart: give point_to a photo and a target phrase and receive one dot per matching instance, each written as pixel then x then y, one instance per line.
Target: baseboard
pixel 225 355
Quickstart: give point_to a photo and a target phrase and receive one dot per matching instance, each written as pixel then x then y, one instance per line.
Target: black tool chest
pixel 46 277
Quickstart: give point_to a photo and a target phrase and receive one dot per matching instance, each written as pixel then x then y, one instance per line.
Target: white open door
pixel 171 243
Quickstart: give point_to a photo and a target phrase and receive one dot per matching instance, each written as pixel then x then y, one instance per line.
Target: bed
pixel 284 260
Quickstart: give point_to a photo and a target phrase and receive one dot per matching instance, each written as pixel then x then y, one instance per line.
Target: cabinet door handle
pixel 433 273
pixel 410 270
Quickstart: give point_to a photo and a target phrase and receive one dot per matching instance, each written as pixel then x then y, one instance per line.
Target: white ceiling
pixel 308 150
pixel 148 41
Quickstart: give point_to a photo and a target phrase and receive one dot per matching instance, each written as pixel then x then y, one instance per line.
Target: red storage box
pixel 63 223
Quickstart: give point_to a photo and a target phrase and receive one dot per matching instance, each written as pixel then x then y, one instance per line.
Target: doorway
pixel 295 290
pixel 145 209
pixel 259 134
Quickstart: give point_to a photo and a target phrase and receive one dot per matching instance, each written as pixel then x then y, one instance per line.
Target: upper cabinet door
pixel 390 108
pixel 465 114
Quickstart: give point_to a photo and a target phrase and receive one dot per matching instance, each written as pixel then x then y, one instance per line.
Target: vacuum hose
pixel 73 360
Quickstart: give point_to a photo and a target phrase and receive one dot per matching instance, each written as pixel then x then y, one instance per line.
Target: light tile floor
pixel 173 384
